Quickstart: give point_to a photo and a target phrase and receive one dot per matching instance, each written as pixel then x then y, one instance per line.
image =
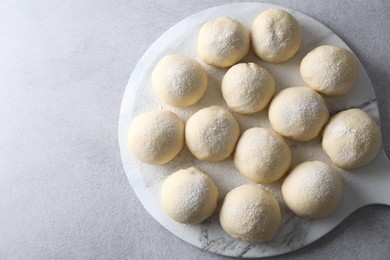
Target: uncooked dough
pixel 179 80
pixel 275 35
pixel 351 139
pixel 223 42
pixel 251 214
pixel 156 137
pixel 330 70
pixel 212 133
pixel 247 88
pixel 298 113
pixel 312 190
pixel 189 196
pixel 262 155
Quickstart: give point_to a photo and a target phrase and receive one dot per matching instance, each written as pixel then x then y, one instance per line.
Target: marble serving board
pixel 363 186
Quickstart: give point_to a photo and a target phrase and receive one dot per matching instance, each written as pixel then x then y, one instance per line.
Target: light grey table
pixel 64 66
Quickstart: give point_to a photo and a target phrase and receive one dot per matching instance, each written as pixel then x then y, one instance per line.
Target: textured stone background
pixel 64 66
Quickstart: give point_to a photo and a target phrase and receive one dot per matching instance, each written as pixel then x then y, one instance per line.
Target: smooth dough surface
pixel 156 137
pixel 189 196
pixel 298 113
pixel 251 214
pixel 223 42
pixel 275 35
pixel 351 139
pixel 262 155
pixel 212 133
pixel 179 80
pixel 329 70
pixel 312 190
pixel 247 88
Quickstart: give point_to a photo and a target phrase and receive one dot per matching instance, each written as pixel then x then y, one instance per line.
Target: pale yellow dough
pixel 223 42
pixel 275 35
pixel 330 70
pixel 189 196
pixel 312 190
pixel 156 137
pixel 351 139
pixel 247 88
pixel 179 80
pixel 251 214
pixel 298 113
pixel 262 155
pixel 212 133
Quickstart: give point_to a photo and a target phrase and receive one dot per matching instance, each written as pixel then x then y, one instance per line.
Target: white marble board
pixel 366 185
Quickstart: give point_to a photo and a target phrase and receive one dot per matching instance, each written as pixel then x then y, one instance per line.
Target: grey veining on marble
pixel 64 66
pixel 295 232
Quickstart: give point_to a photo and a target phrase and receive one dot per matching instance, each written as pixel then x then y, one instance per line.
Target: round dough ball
pixel 351 139
pixel 262 155
pixel 156 137
pixel 251 214
pixel 298 113
pixel 179 81
pixel 330 70
pixel 189 196
pixel 312 190
pixel 247 88
pixel 276 36
pixel 223 42
pixel 212 133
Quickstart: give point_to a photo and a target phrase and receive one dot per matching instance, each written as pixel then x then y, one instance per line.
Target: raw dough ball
pixel 351 139
pixel 212 133
pixel 179 80
pixel 330 70
pixel 247 88
pixel 251 214
pixel 262 155
pixel 276 36
pixel 223 42
pixel 156 137
pixel 298 113
pixel 189 196
pixel 312 190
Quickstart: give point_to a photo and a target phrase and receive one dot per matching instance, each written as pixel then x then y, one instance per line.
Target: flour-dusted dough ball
pixel 276 36
pixel 351 139
pixel 298 113
pixel 251 214
pixel 330 70
pixel 179 80
pixel 223 42
pixel 189 196
pixel 312 190
pixel 212 133
pixel 156 137
pixel 247 88
pixel 262 155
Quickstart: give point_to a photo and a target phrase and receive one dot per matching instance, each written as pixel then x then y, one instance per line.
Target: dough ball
pixel 189 196
pixel 330 70
pixel 247 88
pixel 251 214
pixel 179 81
pixel 312 190
pixel 298 113
pixel 262 155
pixel 276 36
pixel 212 133
pixel 351 139
pixel 223 42
pixel 156 137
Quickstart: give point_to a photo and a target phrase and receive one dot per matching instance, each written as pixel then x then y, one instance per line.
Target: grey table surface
pixel 64 66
